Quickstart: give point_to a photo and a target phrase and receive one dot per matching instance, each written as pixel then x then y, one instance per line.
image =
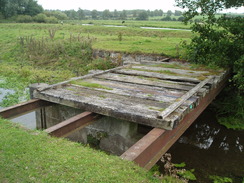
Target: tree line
pixel 119 15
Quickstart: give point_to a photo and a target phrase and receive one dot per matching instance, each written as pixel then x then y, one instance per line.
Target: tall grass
pixel 73 53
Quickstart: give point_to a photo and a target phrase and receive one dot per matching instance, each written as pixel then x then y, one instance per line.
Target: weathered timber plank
pixel 147 151
pixel 73 124
pixel 81 77
pixel 120 107
pixel 157 75
pixel 140 91
pixel 182 99
pixel 190 73
pixel 85 92
pixel 23 108
pixel 147 81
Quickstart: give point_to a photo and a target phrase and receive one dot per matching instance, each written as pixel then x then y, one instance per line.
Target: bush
pixel 51 19
pixel 24 19
pixel 167 18
pixel 57 14
pixel 40 18
pixel 181 18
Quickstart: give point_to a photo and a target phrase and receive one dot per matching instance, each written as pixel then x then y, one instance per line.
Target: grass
pixel 173 66
pixel 59 160
pixel 168 72
pixel 90 85
pixel 157 109
pixel 133 39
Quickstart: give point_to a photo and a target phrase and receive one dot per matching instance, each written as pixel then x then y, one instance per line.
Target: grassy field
pixel 50 53
pixel 133 39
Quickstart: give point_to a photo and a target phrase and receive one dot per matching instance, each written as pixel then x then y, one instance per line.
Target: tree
pixel 219 41
pixel 32 8
pixel 123 15
pixel 72 14
pixel 94 14
pixel 222 46
pixel 178 13
pixel 142 15
pixel 106 15
pixel 134 13
pixel 116 14
pixel 81 14
pixel 160 13
pixel 169 13
pixel 9 8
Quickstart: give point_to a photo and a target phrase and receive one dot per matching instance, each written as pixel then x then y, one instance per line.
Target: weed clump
pixel 74 53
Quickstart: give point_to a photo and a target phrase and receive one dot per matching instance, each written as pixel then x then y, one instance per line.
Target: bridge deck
pixel 154 94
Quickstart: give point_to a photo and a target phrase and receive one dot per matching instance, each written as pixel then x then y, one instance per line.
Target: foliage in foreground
pixel 219 41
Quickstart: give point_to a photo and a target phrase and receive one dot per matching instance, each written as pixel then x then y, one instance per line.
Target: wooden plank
pixel 73 124
pixel 190 73
pixel 147 81
pixel 23 108
pixel 81 77
pixel 147 151
pixel 139 91
pixel 157 75
pixel 182 99
pixel 122 107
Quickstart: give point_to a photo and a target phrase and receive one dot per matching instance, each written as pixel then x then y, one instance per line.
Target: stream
pixel 206 147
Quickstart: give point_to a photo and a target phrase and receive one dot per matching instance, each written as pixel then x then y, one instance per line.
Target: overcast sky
pixel 113 4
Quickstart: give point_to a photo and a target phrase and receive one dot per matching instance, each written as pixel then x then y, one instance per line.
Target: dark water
pixel 211 149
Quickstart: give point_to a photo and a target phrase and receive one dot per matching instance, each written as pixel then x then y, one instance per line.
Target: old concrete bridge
pixel 136 111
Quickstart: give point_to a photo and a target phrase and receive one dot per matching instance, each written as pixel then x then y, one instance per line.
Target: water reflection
pixel 211 149
pixel 203 136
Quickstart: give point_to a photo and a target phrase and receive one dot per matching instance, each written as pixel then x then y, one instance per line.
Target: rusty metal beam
pixel 148 150
pixel 23 108
pixel 73 124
